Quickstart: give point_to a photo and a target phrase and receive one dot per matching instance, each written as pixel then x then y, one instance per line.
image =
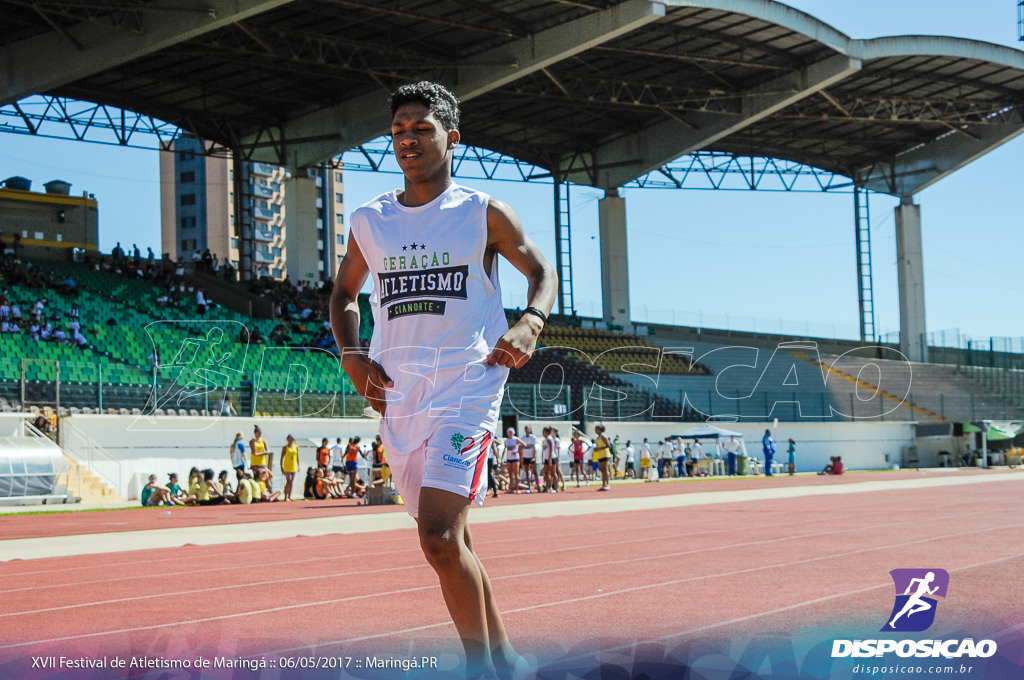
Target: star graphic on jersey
pixel 405 247
pixel 423 246
pixel 414 246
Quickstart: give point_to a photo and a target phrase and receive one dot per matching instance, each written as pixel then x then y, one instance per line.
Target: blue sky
pixel 760 261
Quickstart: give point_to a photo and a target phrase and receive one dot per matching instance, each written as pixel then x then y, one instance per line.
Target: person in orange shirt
pixel 352 465
pixel 323 455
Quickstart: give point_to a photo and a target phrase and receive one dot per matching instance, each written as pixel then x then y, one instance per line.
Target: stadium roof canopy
pixel 598 91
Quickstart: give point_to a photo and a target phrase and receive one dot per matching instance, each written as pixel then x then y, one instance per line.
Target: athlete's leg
pixel 442 531
pixel 502 653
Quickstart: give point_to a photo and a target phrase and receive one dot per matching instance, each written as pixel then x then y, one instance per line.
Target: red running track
pixel 732 569
pixel 135 519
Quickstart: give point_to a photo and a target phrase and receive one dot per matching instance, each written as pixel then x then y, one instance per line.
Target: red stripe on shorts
pixel 481 460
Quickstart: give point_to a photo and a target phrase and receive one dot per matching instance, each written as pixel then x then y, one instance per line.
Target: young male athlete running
pixel 441 347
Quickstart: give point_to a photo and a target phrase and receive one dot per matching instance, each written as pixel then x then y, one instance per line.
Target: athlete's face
pixel 422 145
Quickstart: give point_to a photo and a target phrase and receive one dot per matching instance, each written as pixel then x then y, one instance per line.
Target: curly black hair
pixel 441 102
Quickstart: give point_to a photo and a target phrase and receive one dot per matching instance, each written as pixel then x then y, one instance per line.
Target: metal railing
pixel 84 451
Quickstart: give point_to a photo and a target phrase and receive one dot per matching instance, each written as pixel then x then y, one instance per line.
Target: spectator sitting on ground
pixel 225 486
pixel 243 492
pixel 211 493
pixel 332 484
pixel 267 494
pixel 358 488
pixel 177 494
pixel 309 486
pixel 153 494
pixel 835 467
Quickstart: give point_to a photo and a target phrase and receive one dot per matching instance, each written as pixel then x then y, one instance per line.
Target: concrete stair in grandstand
pixel 93 489
pixel 850 385
pixel 941 389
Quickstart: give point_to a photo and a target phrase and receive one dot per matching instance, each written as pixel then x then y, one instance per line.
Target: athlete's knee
pixel 442 548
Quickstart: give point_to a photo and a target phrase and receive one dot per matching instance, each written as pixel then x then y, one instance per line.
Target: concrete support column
pixel 611 212
pixel 910 272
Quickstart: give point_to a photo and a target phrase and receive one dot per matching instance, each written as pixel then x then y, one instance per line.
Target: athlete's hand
pixel 516 346
pixel 369 378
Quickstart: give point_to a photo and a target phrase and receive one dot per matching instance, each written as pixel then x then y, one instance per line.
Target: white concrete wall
pixel 161 445
pixel 863 446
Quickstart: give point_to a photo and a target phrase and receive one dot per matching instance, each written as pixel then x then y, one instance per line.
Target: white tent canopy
pixel 707 431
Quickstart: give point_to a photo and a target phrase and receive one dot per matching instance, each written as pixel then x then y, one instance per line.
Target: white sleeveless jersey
pixel 511 450
pixel 529 446
pixel 437 313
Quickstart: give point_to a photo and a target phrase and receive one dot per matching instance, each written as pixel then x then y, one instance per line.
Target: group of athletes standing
pixel 521 460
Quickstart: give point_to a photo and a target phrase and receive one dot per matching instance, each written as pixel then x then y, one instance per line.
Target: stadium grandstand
pixel 148 348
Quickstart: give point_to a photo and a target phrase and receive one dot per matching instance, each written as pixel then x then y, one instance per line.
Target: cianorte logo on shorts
pixel 456 460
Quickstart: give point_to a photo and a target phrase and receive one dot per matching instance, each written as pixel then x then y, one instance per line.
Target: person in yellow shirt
pixel 289 465
pixel 265 493
pixel 258 453
pixel 602 454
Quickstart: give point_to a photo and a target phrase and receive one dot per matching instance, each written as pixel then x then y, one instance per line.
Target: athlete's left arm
pixel 506 237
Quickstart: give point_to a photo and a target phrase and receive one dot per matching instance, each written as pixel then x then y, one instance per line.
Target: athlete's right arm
pixel 367 376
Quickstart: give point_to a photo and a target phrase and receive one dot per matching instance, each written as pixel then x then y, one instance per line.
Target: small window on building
pixel 188 222
pixel 337 177
pixel 341 239
pixel 187 177
pixel 277 252
pixel 277 273
pixel 234 243
pixel 338 198
pixel 340 218
pixel 188 245
pixel 187 155
pixel 188 199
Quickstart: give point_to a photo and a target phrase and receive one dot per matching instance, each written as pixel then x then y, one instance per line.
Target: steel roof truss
pixel 45 62
pixel 665 141
pixel 356 121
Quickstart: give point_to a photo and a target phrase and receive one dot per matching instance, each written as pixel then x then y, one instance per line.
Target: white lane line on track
pixel 677 582
pixel 191 558
pixel 89 544
pixel 416 552
pixel 779 610
pixel 491 558
pixel 575 600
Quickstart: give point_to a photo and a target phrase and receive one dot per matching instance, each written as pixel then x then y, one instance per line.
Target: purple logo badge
pixel 914 609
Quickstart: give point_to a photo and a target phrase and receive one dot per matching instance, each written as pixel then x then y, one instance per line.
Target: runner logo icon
pixel 914 608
